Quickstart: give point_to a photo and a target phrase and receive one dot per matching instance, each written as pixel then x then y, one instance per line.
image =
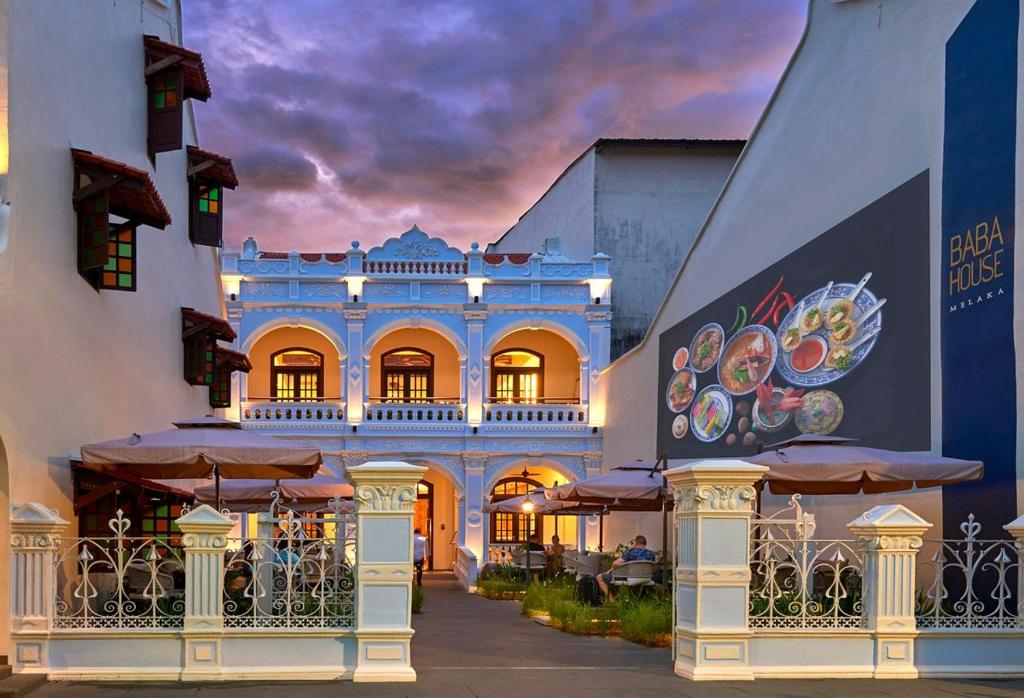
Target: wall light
pixel 232 282
pixel 476 288
pixel 598 287
pixel 355 286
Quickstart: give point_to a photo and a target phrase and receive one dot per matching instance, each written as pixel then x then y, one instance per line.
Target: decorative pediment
pixel 415 245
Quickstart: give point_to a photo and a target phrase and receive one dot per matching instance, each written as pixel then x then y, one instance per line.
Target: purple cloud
pixel 356 120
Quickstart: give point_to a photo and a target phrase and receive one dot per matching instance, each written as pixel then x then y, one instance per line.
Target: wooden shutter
pixel 206 222
pixel 220 389
pixel 166 95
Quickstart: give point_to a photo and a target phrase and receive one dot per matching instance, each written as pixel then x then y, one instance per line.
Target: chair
pixel 588 564
pixel 569 561
pixel 633 574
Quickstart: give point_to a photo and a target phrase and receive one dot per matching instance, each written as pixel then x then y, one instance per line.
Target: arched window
pixel 407 375
pixel 296 374
pixel 513 528
pixel 517 375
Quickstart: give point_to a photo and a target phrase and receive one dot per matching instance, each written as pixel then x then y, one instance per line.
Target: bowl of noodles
pixel 681 390
pixel 747 359
pixel 706 347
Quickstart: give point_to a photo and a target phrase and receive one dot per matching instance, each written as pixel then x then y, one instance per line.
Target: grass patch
pixel 541 597
pixel 417 599
pixel 641 617
pixel 646 621
pixel 500 582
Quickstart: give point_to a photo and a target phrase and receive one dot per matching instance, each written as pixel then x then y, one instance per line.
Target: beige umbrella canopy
pixel 203 447
pixel 811 464
pixel 639 486
pixel 541 505
pixel 254 495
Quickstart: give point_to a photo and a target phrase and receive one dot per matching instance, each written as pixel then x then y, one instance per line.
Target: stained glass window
pixel 220 389
pixel 118 273
pixel 93 231
pixel 199 359
pixel 165 110
pixel 164 90
pixel 209 199
pixel 158 521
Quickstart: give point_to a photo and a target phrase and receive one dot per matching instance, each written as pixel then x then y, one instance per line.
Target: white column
pixel 1016 529
pixel 35 532
pixel 890 536
pixel 358 374
pixel 590 533
pixel 714 501
pixel 599 342
pixel 474 497
pixel 385 495
pixel 475 315
pixel 204 537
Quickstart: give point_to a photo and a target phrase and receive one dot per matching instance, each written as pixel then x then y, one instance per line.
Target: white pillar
pixel 204 537
pixel 473 502
pixel 590 537
pixel 385 495
pixel 889 537
pixel 599 342
pixel 475 314
pixel 1016 529
pixel 35 532
pixel 358 374
pixel 714 500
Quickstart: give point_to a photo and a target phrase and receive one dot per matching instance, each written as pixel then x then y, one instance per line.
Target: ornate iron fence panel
pixel 969 582
pixel 118 582
pixel 799 582
pixel 297 572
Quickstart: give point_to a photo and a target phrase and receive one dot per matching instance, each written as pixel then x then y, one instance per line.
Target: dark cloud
pixel 276 169
pixel 360 119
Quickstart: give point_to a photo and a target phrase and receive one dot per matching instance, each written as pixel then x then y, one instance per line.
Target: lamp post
pixel 528 510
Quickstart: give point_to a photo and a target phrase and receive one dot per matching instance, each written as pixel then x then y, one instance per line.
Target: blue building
pixel 483 367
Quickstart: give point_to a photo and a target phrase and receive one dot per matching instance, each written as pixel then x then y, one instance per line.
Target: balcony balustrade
pixel 418 411
pixel 546 411
pixel 275 411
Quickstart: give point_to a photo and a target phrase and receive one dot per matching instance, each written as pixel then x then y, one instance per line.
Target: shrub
pixel 647 620
pixel 500 588
pixel 417 599
pixel 540 597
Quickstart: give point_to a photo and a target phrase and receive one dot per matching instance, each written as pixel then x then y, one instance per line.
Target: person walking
pixel 419 553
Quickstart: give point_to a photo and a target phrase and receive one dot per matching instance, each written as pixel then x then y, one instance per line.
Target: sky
pixel 353 120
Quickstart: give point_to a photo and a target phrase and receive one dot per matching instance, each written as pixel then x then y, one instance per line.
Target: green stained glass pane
pixel 111 263
pixel 214 193
pixel 124 280
pixel 161 511
pixel 158 100
pixel 172 81
pixel 209 356
pixel 101 204
pixel 204 205
pixel 147 525
pixel 124 249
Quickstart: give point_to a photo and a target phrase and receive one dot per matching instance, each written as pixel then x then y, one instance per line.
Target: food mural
pixel 832 339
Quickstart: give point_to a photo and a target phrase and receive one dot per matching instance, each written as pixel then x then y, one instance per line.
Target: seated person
pixel 638 552
pixel 534 543
pixel 556 554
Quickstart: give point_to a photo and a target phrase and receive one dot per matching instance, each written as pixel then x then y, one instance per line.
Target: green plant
pixel 645 620
pixel 539 597
pixel 417 599
pixel 500 588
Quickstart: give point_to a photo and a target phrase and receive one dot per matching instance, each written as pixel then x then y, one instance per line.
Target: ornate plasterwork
pixel 415 245
pixel 599 316
pixel 322 290
pixel 379 290
pixel 892 544
pixel 246 266
pixel 263 289
pixel 478 315
pixel 563 292
pixel 354 314
pixel 455 290
pixel 506 292
pixel 715 498
pixel 386 497
pixel 565 270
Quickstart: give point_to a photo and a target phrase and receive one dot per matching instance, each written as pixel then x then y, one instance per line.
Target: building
pixel 876 154
pixel 641 201
pixel 96 130
pixel 483 367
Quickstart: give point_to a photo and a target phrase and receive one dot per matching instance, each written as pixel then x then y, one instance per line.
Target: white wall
pixel 858 113
pixel 75 365
pixel 650 203
pixel 565 211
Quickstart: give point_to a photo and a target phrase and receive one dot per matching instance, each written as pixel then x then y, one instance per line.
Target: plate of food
pixel 711 413
pixel 680 358
pixel 706 347
pixel 770 415
pixel 821 412
pixel 829 333
pixel 681 390
pixel 680 426
pixel 747 359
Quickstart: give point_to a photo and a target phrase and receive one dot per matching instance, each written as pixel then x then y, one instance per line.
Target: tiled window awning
pixel 199 333
pixel 161 55
pixel 227 362
pixel 196 322
pixel 233 360
pixel 211 166
pixel 130 192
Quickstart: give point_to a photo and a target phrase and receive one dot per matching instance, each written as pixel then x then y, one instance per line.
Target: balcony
pixel 291 413
pixel 432 411
pixel 546 411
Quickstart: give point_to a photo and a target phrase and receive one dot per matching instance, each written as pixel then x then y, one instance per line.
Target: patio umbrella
pixel 813 464
pixel 199 448
pixel 541 505
pixel 638 486
pixel 254 495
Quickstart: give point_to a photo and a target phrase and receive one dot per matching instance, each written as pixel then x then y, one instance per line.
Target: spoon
pixel 859 287
pixel 863 338
pixel 821 301
pixel 871 311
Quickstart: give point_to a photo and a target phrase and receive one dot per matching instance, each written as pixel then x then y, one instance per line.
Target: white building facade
pixel 483 368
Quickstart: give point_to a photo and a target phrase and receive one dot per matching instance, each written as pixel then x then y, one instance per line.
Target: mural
pixel 832 339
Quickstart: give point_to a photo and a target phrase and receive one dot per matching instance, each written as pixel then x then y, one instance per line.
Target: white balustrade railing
pixel 415 413
pixel 799 582
pixel 969 582
pixel 415 268
pixel 277 412
pixel 118 582
pixel 535 413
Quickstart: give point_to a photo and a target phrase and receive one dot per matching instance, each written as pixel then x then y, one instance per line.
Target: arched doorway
pixel 435 513
pixel 423 518
pixel 507 532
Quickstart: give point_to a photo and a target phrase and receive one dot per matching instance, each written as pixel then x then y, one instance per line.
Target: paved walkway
pixel 467 646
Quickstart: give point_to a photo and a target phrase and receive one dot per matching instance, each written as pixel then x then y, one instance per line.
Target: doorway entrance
pixel 423 519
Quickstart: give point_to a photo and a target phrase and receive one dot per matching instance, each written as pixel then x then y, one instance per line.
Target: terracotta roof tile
pixel 132 196
pixel 222 170
pixel 196 84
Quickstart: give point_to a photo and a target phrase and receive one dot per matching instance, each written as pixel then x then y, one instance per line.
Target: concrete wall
pixel 650 203
pixel 565 211
pixel 561 362
pixel 858 113
pixel 78 366
pixel 258 381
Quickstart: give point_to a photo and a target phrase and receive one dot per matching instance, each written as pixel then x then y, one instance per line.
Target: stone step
pixel 21 684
